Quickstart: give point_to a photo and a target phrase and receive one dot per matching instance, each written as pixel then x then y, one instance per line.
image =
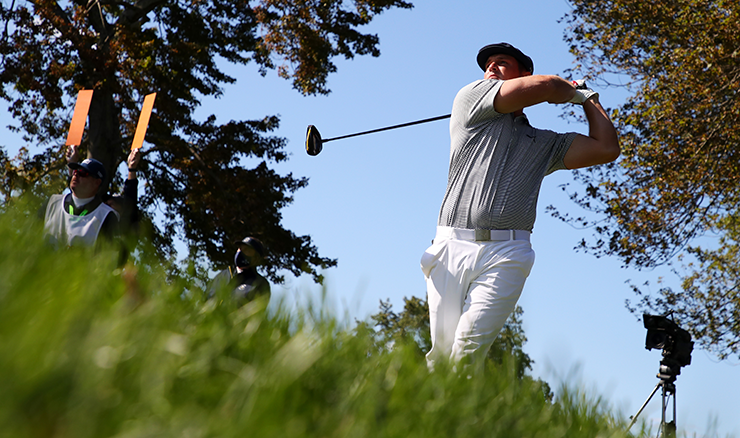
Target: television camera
pixel 664 334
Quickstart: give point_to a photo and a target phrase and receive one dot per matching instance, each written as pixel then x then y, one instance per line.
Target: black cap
pixel 254 243
pixel 505 49
pixel 92 165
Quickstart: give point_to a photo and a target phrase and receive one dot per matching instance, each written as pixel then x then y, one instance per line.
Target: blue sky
pixel 372 201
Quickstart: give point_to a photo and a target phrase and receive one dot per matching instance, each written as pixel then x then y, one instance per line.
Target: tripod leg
pixel 668 429
pixel 634 418
pixel 671 427
pixel 662 415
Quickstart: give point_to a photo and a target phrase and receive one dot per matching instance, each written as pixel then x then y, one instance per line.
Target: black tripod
pixel 664 334
pixel 667 375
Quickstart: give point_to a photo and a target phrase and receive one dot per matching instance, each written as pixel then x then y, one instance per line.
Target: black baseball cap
pixel 254 243
pixel 505 49
pixel 93 166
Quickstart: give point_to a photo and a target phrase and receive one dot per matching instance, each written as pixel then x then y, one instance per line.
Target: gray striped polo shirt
pixel 497 163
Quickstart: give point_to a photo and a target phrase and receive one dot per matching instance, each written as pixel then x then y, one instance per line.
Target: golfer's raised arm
pixel 519 93
pixel 602 144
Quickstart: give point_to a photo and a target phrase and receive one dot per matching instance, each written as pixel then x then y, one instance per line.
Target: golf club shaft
pixel 389 127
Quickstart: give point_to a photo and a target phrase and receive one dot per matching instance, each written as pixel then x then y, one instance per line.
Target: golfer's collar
pixel 522 118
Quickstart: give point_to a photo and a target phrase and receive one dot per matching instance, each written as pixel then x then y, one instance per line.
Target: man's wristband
pixel 132 170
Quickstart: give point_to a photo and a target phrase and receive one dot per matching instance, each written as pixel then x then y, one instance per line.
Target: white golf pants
pixel 472 288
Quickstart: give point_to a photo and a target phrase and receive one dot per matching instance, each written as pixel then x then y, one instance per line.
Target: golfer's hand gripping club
pixel 583 93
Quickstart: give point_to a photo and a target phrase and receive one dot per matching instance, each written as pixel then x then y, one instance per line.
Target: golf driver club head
pixel 313 141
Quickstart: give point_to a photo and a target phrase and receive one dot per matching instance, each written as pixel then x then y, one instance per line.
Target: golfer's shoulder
pixel 481 86
pixel 477 90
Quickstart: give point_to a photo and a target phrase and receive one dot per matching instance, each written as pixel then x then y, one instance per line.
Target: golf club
pixel 314 142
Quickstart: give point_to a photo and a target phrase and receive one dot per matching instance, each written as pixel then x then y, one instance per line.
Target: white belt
pixel 480 235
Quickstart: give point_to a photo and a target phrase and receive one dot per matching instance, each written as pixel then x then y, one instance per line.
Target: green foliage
pixel 213 183
pixel 677 178
pixel 411 329
pixel 88 350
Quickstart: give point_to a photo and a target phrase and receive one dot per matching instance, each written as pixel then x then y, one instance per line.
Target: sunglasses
pixel 81 173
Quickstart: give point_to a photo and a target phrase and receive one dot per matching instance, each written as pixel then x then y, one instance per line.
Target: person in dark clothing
pixel 126 204
pixel 244 282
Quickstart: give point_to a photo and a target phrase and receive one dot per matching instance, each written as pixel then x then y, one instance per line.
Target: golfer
pixel 481 255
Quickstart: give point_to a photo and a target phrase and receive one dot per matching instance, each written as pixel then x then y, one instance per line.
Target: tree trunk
pixel 104 134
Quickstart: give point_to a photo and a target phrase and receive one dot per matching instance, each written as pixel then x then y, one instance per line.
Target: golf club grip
pixel 388 127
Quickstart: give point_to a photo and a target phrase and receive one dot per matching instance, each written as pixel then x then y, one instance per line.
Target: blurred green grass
pixel 91 350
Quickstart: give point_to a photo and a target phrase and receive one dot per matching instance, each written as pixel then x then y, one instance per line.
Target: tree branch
pixel 136 12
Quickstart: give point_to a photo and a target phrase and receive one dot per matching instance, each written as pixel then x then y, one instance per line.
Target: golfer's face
pixel 502 67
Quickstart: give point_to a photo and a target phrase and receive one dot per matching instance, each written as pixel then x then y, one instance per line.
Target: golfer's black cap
pixel 254 243
pixel 505 49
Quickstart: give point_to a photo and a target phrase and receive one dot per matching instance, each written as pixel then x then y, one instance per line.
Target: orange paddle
pixel 146 111
pixel 79 117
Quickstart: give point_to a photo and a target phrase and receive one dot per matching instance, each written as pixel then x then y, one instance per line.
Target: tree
pixel 412 326
pixel 678 177
pixel 212 181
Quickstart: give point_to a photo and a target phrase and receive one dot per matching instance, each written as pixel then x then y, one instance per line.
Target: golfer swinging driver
pixel 481 255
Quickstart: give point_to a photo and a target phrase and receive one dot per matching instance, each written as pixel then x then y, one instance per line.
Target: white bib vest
pixel 70 230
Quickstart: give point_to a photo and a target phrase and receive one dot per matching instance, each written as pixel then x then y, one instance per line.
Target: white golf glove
pixel 583 93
